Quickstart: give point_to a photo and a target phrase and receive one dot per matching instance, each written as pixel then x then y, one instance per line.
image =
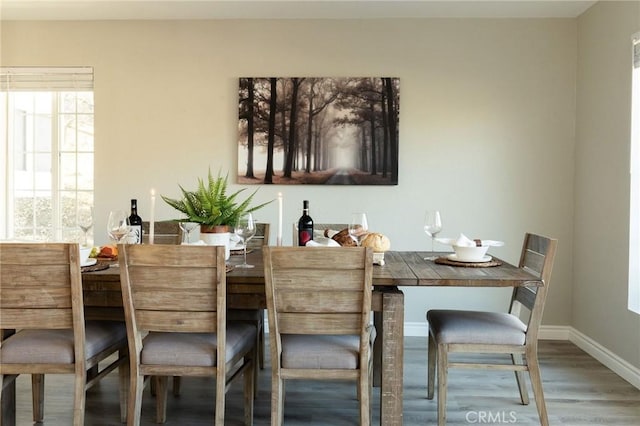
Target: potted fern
pixel 213 208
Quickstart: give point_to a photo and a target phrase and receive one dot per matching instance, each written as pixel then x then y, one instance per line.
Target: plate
pixel 90 261
pixel 453 257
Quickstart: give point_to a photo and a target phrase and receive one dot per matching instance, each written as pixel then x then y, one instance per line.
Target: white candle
pixel 279 237
pixel 152 215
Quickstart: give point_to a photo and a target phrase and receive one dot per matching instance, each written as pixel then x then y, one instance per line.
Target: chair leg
pixel 123 375
pixel 261 336
pixel 80 384
pixel 516 359
pixel 134 405
pixel 431 366
pixel 37 393
pixel 365 402
pixel 177 380
pixel 443 367
pixel 249 387
pixel 161 398
pixel 220 395
pixel 536 385
pixel 277 401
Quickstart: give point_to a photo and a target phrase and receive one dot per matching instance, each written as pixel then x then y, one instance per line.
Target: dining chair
pixel 174 299
pixel 496 332
pixel 164 232
pixel 319 307
pixel 43 327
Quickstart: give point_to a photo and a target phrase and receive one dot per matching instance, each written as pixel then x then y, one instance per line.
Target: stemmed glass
pixel 432 225
pixel 187 227
pixel 358 226
pixel 245 229
pixel 85 221
pixel 118 225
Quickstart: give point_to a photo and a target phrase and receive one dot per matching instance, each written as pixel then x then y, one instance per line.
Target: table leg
pixel 7 401
pixel 390 356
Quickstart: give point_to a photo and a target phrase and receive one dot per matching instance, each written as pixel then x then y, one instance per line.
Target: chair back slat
pixel 164 232
pixel 173 287
pixel 319 323
pixel 37 281
pixel 261 238
pixel 310 301
pixel 176 321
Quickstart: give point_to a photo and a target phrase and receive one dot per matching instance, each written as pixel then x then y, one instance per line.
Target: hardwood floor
pixel 578 389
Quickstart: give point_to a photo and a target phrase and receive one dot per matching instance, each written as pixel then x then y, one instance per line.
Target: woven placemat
pixel 445 261
pixel 97 267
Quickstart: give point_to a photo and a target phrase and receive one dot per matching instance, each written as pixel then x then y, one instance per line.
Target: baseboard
pixel 563 332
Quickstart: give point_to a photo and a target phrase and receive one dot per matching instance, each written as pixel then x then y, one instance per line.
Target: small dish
pixel 89 261
pixel 455 258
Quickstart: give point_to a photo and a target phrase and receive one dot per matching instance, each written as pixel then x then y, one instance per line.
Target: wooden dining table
pixel 245 289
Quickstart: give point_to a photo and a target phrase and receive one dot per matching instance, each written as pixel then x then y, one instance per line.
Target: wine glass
pixel 118 225
pixel 358 226
pixel 245 229
pixel 85 221
pixel 432 225
pixel 187 227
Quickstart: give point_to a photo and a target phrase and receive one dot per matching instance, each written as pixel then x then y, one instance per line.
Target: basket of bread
pixel 378 242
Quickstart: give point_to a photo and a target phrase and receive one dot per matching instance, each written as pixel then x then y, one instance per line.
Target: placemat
pixel 445 261
pixel 97 267
pixel 240 252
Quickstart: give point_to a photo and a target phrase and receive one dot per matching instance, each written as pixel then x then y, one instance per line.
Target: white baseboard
pixel 563 332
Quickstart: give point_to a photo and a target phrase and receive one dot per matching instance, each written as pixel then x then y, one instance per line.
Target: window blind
pixel 46 78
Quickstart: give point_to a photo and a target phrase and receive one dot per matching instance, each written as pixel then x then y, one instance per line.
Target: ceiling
pixel 286 9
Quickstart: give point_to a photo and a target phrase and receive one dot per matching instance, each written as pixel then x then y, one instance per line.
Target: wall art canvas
pixel 323 131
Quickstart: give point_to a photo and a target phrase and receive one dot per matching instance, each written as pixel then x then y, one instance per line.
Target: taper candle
pixel 152 215
pixel 279 237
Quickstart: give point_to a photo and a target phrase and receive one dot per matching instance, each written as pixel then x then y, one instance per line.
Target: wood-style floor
pixel 578 389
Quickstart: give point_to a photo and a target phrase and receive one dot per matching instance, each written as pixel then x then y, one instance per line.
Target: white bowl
pixel 84 254
pixel 470 254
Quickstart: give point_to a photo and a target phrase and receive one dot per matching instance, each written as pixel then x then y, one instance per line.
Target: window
pixel 634 226
pixel 47 154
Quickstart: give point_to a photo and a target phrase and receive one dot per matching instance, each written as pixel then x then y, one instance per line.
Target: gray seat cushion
pixel 321 351
pixel 195 349
pixel 492 328
pixel 56 346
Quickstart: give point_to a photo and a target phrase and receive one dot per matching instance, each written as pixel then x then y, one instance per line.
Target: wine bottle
pixel 305 225
pixel 135 223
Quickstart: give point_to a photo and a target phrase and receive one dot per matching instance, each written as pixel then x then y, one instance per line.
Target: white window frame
pixel 634 208
pixel 55 81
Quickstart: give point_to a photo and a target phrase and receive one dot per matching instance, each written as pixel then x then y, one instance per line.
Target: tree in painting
pixel 306 130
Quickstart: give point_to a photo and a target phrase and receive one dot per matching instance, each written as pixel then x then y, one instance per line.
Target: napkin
pixel 322 242
pixel 197 243
pixel 464 241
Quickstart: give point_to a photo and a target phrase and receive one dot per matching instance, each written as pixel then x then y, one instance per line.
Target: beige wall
pixel 486 126
pixel 601 225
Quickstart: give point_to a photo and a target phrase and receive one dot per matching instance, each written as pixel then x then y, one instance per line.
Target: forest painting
pixel 331 131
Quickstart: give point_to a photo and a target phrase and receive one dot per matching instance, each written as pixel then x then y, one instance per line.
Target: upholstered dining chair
pixel 174 299
pixel 496 332
pixel 319 306
pixel 43 327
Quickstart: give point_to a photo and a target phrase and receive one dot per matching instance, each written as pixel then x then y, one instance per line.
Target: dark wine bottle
pixel 305 225
pixel 135 223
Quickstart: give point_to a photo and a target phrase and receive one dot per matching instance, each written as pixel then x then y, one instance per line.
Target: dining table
pixel 246 290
